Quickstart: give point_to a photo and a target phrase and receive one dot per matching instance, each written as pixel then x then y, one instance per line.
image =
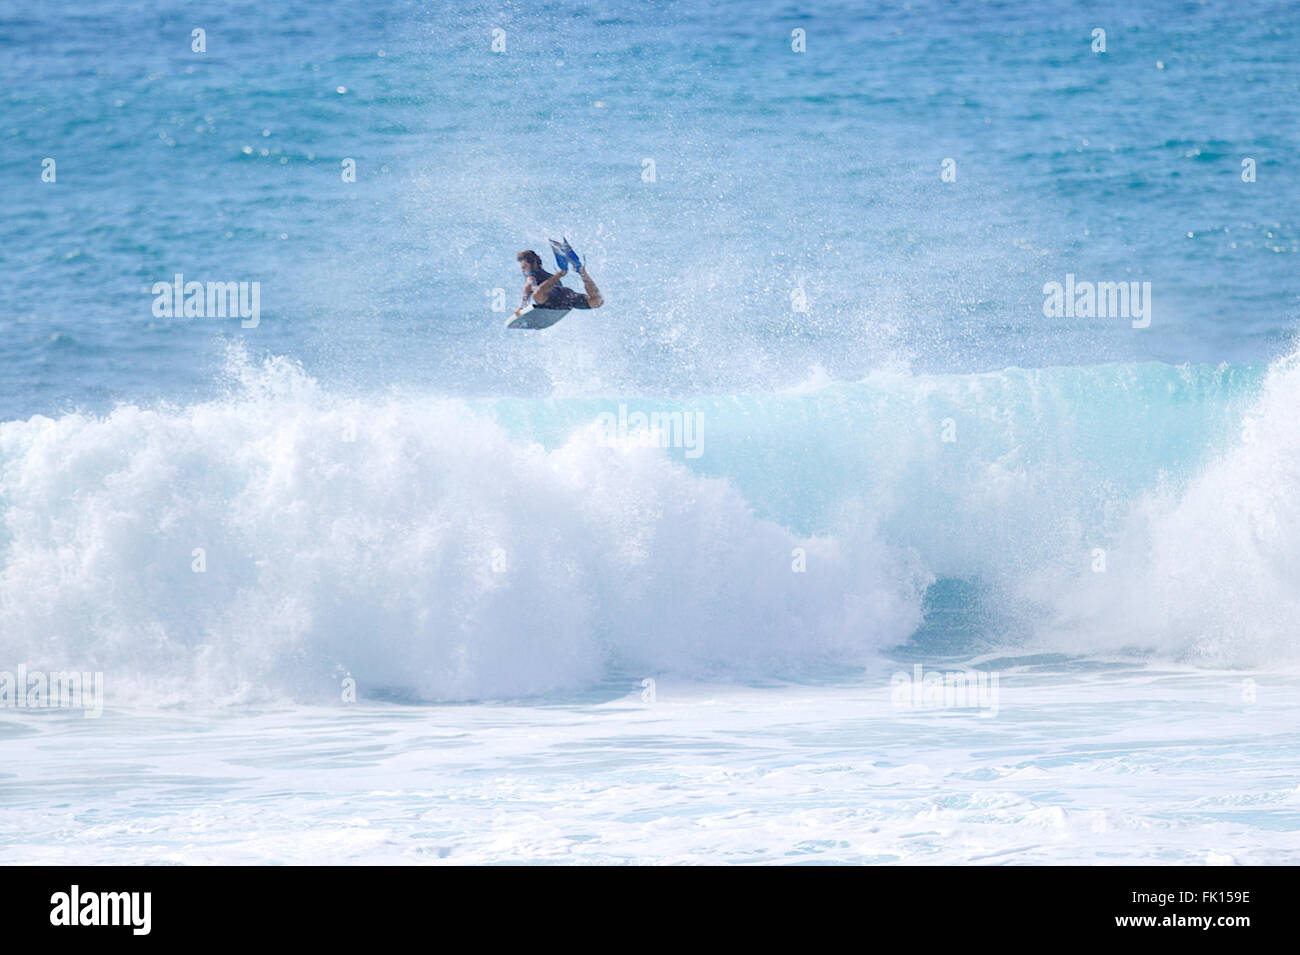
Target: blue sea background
pixel 774 170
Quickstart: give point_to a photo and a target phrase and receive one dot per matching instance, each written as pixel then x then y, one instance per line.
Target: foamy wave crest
pixel 268 543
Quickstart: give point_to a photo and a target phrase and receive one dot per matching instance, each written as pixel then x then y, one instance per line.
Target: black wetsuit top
pixel 559 297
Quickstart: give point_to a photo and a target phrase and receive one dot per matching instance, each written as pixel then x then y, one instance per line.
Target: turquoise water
pixel 876 450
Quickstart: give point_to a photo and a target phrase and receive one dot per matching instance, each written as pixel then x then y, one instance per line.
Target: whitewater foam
pixel 410 543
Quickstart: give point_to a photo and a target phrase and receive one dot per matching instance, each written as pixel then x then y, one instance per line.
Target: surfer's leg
pixel 594 299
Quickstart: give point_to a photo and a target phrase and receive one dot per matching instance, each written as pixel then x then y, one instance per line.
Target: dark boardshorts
pixel 565 298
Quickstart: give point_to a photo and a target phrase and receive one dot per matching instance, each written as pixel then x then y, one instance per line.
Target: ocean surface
pixel 369 578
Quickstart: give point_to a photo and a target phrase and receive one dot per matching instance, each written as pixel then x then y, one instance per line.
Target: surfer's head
pixel 529 261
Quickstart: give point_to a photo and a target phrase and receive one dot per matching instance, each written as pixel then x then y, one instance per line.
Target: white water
pixel 1082 763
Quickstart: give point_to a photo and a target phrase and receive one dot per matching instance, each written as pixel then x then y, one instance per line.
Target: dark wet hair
pixel 532 258
pixel 534 261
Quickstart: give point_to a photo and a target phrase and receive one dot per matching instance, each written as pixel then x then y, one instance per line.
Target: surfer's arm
pixel 543 291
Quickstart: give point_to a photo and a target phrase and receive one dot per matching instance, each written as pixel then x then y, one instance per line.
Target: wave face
pixel 1210 570
pixel 266 543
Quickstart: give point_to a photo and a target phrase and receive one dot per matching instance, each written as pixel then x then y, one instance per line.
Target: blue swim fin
pixel 561 256
pixel 573 256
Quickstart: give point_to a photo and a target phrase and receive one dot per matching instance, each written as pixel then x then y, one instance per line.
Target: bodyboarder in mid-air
pixel 543 289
